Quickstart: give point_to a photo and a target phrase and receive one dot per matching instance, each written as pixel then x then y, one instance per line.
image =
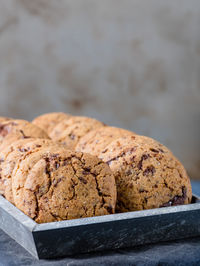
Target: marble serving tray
pixel 59 239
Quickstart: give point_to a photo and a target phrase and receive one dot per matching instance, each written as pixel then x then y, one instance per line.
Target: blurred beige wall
pixel 131 63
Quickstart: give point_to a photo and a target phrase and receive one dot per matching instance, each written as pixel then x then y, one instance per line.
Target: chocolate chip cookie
pixel 55 184
pixel 48 121
pixel 2 119
pixel 10 155
pixel 70 131
pixel 96 141
pixel 147 174
pixel 13 130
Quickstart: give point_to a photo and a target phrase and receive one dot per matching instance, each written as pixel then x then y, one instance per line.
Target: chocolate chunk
pixel 24 150
pixel 86 173
pixel 83 180
pixel 85 209
pixel 54 156
pixel 128 172
pixel 132 159
pixel 128 151
pixel 45 199
pixel 104 151
pixel 4 130
pixel 88 169
pixel 55 182
pixel 109 209
pixel 72 136
pixel 60 179
pixel 144 157
pixel 66 162
pixel 149 170
pixel 154 150
pixel 47 170
pixel 57 165
pixel 115 158
pixel 177 200
pixel 38 146
pixel 131 150
pixel 23 135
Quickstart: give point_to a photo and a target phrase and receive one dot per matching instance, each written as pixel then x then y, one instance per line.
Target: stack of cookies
pixel 65 167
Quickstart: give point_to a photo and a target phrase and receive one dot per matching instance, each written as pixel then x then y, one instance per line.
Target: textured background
pixel 131 63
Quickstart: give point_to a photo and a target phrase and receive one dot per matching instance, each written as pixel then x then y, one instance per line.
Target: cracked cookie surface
pixel 147 174
pixel 70 131
pixel 96 141
pixel 48 121
pixel 57 184
pixel 10 155
pixel 13 130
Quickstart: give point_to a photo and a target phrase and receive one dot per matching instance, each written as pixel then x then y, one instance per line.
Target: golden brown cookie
pixel 48 121
pixel 13 130
pixel 96 141
pixel 3 119
pixel 10 155
pixel 53 185
pixel 70 131
pixel 147 174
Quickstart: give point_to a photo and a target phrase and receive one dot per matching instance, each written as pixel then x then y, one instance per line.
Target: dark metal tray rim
pixel 34 227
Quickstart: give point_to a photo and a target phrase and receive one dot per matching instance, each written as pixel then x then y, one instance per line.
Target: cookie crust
pixel 70 131
pixel 13 130
pixel 3 119
pixel 96 141
pixel 10 155
pixel 48 121
pixel 147 174
pixel 55 184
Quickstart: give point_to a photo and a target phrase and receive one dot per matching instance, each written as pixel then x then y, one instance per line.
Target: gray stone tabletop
pixel 185 252
pixel 181 252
